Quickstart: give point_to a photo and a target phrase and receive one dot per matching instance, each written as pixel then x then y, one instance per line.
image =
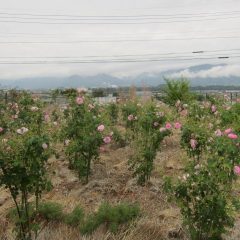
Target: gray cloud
pixel 214 72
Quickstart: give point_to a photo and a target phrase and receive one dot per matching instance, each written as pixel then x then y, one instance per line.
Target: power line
pixel 113 61
pixel 115 23
pixel 120 16
pixel 117 40
pixel 176 54
pixel 116 18
pixel 125 34
pixel 49 37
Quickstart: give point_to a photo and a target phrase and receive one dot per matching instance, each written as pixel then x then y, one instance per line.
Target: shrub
pixel 81 128
pixel 204 192
pixel 112 216
pixel 146 142
pixel 130 111
pixel 76 217
pixel 13 214
pixel 231 116
pixel 194 139
pixel 177 90
pixel 113 111
pixel 118 138
pixel 24 151
pixel 90 224
pixel 51 211
pixel 204 203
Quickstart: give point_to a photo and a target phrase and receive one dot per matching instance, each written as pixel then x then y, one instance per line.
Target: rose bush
pixel 85 132
pixel 24 151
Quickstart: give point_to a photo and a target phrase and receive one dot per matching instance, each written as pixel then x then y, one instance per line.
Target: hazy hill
pixel 105 80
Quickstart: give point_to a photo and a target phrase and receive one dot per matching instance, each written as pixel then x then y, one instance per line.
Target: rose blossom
pixel 79 100
pixel 130 117
pixel 46 117
pixel 101 128
pixel 184 113
pixel 213 108
pixel 177 125
pixel 1 129
pixel 193 143
pixel 227 131
pixel 162 129
pixel 236 170
pixel 107 139
pixel 168 126
pixel 44 146
pixel 232 136
pixel 218 133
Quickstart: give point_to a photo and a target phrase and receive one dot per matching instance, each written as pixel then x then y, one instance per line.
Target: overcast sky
pixel 194 24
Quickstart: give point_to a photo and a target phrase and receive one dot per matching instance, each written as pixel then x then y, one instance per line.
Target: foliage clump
pixel 51 211
pixel 112 216
pixel 76 217
pixel 177 90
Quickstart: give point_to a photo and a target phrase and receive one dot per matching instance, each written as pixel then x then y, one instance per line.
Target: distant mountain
pixel 200 75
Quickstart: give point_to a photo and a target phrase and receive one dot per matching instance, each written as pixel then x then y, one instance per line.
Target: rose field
pixel 135 169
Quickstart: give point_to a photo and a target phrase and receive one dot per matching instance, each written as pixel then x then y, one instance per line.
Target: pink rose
pixel 218 133
pixel 79 100
pixel 236 170
pixel 184 113
pixel 177 125
pixel 227 131
pixel 101 128
pixel 46 117
pixel 168 126
pixel 193 143
pixel 213 108
pixel 107 139
pixel 232 136
pixel 130 117
pixel 1 129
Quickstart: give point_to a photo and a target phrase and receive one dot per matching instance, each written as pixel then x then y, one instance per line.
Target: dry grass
pixel 112 181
